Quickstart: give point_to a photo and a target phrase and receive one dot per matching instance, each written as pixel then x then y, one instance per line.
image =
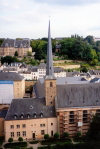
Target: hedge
pixel 16 144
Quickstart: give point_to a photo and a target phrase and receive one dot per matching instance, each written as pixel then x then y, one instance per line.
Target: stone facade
pixel 19 89
pixel 73 120
pixel 30 129
pixel 29 84
pixel 10 51
pixel 1 126
pixel 50 91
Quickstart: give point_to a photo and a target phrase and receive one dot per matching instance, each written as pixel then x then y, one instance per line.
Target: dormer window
pixel 15 116
pixel 22 116
pixel 41 114
pixel 28 115
pixel 34 115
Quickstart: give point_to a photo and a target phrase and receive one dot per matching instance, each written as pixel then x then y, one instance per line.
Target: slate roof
pixel 73 95
pixel 29 106
pixel 19 43
pixel 67 80
pixel 3 113
pixel 78 95
pixel 10 76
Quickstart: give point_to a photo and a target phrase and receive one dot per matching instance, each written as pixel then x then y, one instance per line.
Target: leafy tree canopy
pixel 8 59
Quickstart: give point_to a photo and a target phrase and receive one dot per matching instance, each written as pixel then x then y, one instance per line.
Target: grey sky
pixel 29 18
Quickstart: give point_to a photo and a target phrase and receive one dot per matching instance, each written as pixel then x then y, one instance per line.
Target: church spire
pixel 49 71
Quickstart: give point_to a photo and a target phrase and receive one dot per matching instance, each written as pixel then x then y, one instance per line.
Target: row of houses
pixel 31 72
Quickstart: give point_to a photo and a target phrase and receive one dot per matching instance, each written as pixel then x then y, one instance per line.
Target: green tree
pixel 93 133
pixel 16 53
pixel 8 59
pixel 78 135
pixel 56 135
pixel 94 62
pixel 76 48
pixel 84 68
pixel 46 136
pixel 40 49
pixel 65 135
pixel 10 140
pixel 90 40
pixel 29 53
pixel 20 139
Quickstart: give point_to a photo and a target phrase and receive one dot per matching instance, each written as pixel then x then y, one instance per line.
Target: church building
pixel 57 106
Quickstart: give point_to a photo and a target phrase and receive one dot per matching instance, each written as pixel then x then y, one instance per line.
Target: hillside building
pixel 10 46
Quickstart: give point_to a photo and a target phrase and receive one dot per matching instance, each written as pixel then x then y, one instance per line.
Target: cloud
pixel 29 18
pixel 68 2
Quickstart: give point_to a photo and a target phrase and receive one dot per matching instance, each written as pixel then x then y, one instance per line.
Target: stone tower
pixel 50 80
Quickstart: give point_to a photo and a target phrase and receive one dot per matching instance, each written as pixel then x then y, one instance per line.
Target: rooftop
pixel 16 43
pixel 10 76
pixel 29 108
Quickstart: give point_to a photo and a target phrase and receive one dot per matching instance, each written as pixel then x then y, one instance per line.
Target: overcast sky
pixel 29 18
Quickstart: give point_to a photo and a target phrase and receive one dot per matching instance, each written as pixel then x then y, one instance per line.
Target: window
pixel 85 116
pixel 18 134
pixel 42 125
pixel 12 134
pixel 22 116
pixel 11 126
pixel 41 114
pixel 34 115
pixel 17 126
pixel 51 124
pixel 15 116
pixel 24 125
pixel 24 133
pixel 71 117
pixel 42 132
pixel 52 133
pixel 51 85
pixel 98 112
pixel 28 115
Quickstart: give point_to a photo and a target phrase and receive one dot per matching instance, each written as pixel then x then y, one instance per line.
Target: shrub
pixel 20 139
pixel 56 135
pixel 78 136
pixel 84 68
pixel 16 144
pixel 46 136
pixel 65 135
pixel 34 142
pixel 16 53
pixel 10 140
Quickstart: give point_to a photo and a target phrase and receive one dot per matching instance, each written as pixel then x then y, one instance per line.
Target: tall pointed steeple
pixel 49 70
pixel 50 80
